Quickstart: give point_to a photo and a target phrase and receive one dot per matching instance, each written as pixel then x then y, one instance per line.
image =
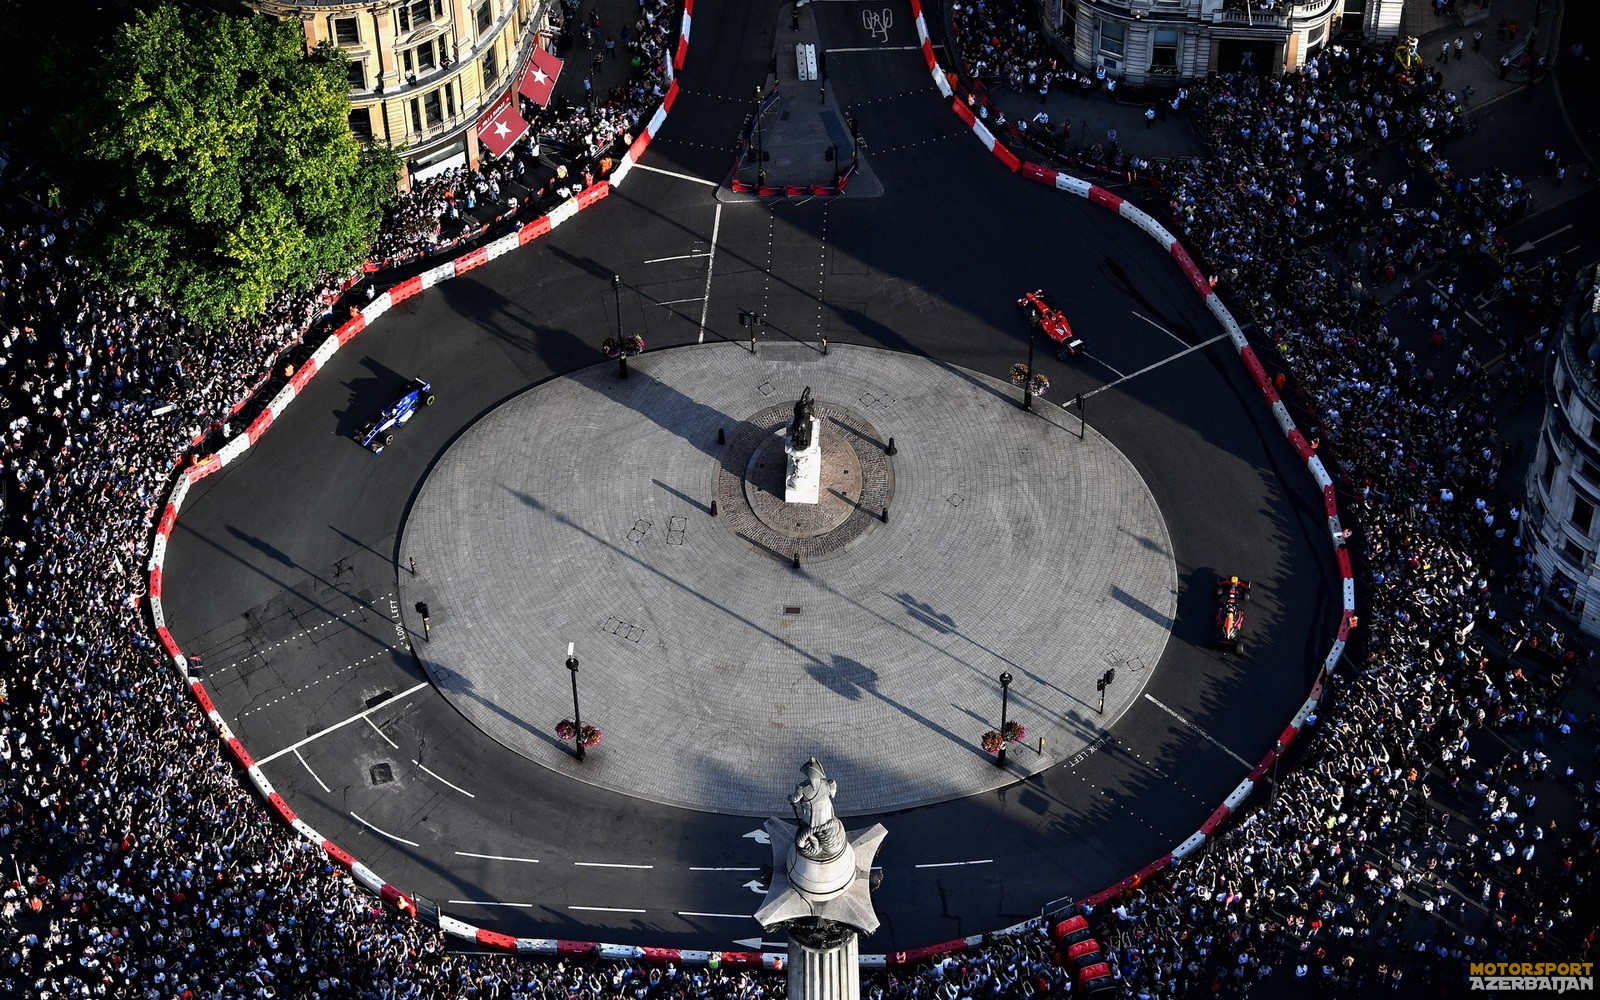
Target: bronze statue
pixel 800 427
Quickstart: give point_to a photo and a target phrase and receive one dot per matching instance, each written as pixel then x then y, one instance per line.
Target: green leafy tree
pixel 222 157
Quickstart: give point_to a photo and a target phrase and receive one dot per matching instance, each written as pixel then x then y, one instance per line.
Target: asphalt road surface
pixel 282 572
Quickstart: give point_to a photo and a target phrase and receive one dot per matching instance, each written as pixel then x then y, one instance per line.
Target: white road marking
pixel 341 724
pixel 681 256
pixel 883 48
pixel 385 833
pixel 679 302
pixel 674 173
pixel 1151 368
pixel 604 864
pixel 312 773
pixel 497 857
pixel 303 632
pixel 730 916
pixel 711 263
pixel 487 902
pixel 958 864
pixel 385 735
pixel 452 784
pixel 306 687
pixel 1204 735
pixel 724 869
pixel 1163 329
pixel 608 909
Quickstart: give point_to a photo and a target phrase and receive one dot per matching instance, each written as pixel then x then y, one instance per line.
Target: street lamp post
pixel 622 351
pixel 1005 698
pixel 577 719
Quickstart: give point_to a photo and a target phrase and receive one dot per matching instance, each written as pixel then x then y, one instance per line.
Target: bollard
pixel 891 449
pixel 713 508
pixel 797 560
pixel 825 339
pixel 885 515
pixel 413 565
pixel 722 436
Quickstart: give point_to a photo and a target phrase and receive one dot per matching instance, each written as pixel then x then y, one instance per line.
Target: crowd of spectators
pixel 569 145
pixel 137 864
pixel 1410 838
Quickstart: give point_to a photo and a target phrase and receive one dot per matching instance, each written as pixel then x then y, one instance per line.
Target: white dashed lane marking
pixel 298 635
pixel 319 680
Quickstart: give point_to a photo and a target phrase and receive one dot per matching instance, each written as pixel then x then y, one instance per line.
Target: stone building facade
pixel 1155 42
pixel 1559 526
pixel 422 72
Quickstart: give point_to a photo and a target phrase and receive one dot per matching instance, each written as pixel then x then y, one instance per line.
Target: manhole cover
pixel 381 774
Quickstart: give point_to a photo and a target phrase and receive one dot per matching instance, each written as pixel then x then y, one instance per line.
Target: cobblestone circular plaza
pixel 580 512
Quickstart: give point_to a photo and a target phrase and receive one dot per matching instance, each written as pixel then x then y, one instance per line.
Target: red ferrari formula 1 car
pixel 1232 595
pixel 1051 320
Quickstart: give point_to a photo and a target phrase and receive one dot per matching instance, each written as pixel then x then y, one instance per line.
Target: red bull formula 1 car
pixel 1051 320
pixel 1232 595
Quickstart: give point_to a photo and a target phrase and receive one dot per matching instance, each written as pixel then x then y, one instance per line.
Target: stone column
pixel 824 965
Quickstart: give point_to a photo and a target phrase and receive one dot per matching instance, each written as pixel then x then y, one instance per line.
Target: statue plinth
pixel 804 481
pixel 821 891
pixel 838 890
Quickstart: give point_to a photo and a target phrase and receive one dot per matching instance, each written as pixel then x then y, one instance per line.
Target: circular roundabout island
pixel 724 633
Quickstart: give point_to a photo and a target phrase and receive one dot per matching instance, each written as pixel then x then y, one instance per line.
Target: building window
pixel 1591 472
pixel 1574 553
pixel 411 16
pixel 1548 475
pixel 422 59
pixel 1068 28
pixel 432 107
pixel 416 114
pixel 1582 514
pixel 1112 37
pixel 450 99
pixel 347 30
pixel 483 17
pixel 1164 52
pixel 356 70
pixel 491 68
pixel 361 123
pixel 1354 17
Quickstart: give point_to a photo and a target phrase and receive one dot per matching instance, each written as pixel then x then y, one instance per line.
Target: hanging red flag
pixel 501 126
pixel 539 81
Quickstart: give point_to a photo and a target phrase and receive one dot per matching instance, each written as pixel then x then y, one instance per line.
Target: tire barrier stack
pixel 1081 955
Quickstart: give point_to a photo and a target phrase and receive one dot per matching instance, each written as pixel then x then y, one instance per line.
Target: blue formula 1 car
pixel 379 431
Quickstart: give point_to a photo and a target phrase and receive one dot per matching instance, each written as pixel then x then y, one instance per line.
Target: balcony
pixel 1253 13
pixel 1310 10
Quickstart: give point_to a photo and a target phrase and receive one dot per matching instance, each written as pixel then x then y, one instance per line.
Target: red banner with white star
pixel 539 81
pixel 501 125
